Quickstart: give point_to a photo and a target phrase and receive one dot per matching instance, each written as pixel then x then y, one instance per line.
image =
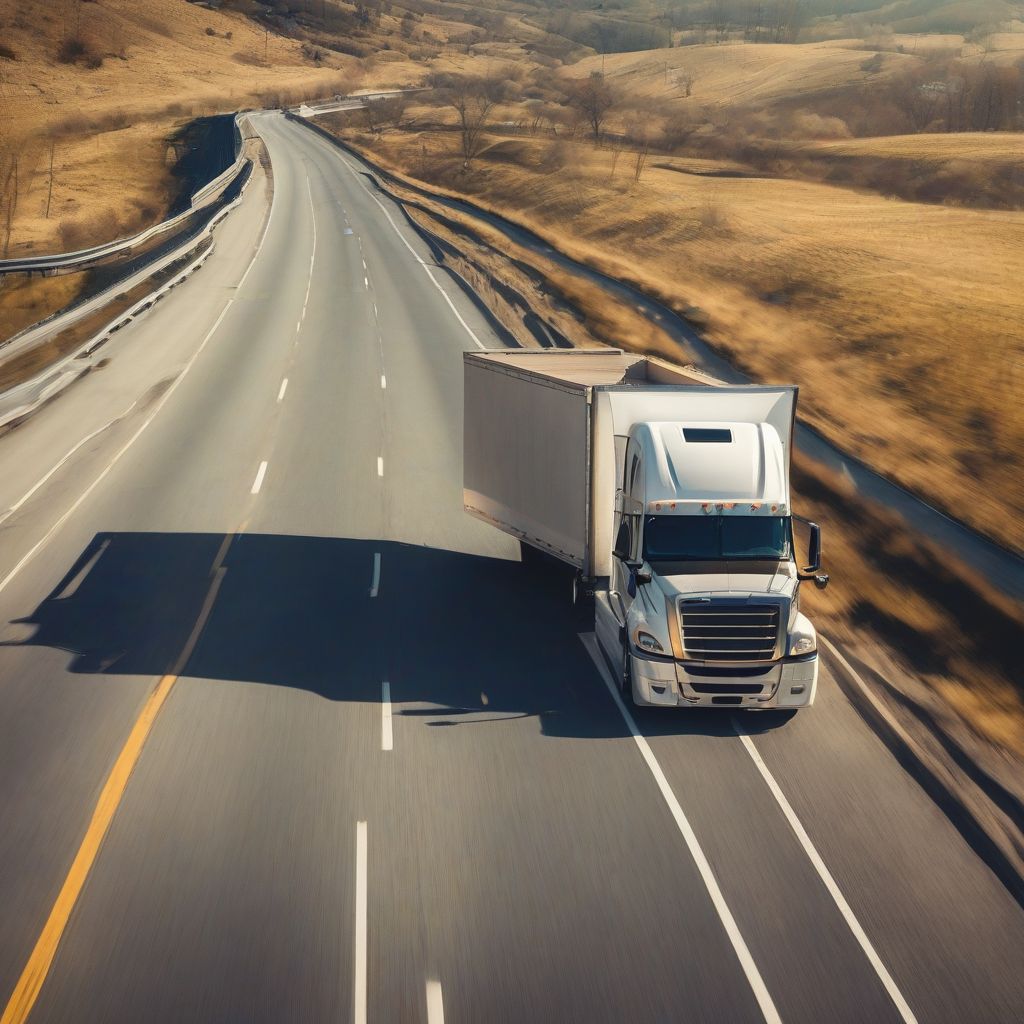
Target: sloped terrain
pixel 105 86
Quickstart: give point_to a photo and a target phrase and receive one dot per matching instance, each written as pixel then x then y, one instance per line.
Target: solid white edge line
pixel 387 739
pixel 258 482
pixel 266 227
pixel 826 876
pixel 53 469
pixel 110 465
pixel 458 315
pixel 359 967
pixel 419 259
pixel 380 465
pixel 284 388
pixel 312 217
pixel 739 945
pixel 435 1002
pixel 375 584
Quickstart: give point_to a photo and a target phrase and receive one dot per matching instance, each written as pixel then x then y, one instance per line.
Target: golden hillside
pixel 107 83
pixel 737 73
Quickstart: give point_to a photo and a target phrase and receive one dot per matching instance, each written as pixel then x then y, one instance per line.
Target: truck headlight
pixel 646 642
pixel 802 644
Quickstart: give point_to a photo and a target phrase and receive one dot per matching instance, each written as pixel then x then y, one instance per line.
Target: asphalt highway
pixel 286 736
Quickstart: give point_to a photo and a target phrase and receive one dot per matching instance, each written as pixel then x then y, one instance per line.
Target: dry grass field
pixel 899 320
pixel 989 150
pixel 737 73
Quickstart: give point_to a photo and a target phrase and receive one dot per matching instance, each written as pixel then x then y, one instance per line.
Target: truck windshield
pixel 705 538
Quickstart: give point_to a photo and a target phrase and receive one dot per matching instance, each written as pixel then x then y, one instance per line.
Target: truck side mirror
pixel 813 570
pixel 623 542
pixel 813 549
pixel 639 576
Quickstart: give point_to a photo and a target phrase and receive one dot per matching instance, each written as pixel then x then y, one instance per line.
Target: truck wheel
pixel 582 604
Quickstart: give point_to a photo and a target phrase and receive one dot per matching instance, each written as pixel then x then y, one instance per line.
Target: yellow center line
pixel 32 977
pixel 31 981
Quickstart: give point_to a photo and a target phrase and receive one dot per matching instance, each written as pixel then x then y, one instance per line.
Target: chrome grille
pixel 729 632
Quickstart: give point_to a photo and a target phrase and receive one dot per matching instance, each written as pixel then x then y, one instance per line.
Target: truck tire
pixel 582 604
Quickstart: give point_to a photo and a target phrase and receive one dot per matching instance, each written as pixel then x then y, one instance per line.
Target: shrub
pixel 71 50
pixel 7 53
pixel 712 218
pixel 873 64
pixel 75 235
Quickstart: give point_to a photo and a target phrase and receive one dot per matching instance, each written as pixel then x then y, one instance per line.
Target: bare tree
pixel 383 112
pixel 593 98
pixel 786 18
pixel 638 136
pixel 8 194
pixel 721 18
pixel 49 189
pixel 640 162
pixel 615 145
pixel 921 101
pixel 473 100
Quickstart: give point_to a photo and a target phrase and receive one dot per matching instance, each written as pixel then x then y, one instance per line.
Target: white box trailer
pixel 545 434
pixel 547 438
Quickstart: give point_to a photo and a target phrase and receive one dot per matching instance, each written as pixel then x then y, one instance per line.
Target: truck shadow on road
pixel 462 639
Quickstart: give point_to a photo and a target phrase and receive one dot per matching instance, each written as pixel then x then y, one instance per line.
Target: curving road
pixel 285 736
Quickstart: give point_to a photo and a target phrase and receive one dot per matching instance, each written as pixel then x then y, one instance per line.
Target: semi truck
pixel 669 497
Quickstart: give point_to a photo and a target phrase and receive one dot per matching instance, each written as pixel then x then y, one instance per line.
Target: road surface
pixel 286 736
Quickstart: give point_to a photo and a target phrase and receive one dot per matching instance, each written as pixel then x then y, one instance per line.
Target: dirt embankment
pixel 207 148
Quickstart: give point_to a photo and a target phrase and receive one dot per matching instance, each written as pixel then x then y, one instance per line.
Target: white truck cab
pixel 702 607
pixel 670 496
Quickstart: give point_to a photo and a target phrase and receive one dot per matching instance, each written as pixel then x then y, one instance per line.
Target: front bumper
pixel 663 682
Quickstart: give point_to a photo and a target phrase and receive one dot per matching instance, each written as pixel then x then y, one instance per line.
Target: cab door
pixel 632 517
pixel 611 613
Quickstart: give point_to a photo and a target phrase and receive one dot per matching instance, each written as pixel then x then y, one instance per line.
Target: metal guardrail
pixel 82 258
pixel 22 400
pixel 354 102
